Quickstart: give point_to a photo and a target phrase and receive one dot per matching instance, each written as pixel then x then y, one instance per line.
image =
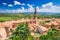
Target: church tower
pixel 35 14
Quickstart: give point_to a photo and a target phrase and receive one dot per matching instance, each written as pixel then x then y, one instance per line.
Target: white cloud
pixel 49 7
pixel 19 10
pixel 30 8
pixel 50 4
pixel 38 8
pixel 23 3
pixel 10 5
pixel 4 3
pixel 29 5
pixel 22 8
pixel 17 3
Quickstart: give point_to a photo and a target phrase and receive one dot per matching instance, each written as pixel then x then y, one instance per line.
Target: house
pixel 8 25
pixel 3 34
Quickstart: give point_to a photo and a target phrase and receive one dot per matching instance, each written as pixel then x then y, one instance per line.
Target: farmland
pixel 8 16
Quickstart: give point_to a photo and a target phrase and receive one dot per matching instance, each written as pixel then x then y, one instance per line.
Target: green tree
pixel 51 35
pixel 21 33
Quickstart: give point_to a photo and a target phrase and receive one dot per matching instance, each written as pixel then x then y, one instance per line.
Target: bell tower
pixel 35 14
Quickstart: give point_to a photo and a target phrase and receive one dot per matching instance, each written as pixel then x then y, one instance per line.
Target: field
pixel 7 17
pixel 11 16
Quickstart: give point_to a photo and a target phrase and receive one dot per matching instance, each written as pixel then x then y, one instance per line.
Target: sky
pixel 17 6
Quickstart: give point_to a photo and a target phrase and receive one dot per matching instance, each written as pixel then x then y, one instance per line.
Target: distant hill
pixel 44 13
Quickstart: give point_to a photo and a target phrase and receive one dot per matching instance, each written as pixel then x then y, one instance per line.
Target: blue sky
pixel 17 6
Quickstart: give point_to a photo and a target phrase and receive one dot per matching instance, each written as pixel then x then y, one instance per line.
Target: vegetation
pixel 51 35
pixel 7 17
pixel 2 19
pixel 21 33
pixel 11 16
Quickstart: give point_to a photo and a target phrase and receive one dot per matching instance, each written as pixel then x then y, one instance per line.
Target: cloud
pixel 49 7
pixel 30 8
pixel 38 8
pixel 19 10
pixel 22 8
pixel 17 3
pixel 29 5
pixel 10 5
pixel 23 3
pixel 4 3
pixel 50 4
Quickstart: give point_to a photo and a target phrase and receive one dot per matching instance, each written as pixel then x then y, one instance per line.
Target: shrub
pixel 21 33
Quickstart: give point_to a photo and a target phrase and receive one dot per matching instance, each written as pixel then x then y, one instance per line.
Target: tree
pixel 21 33
pixel 51 35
